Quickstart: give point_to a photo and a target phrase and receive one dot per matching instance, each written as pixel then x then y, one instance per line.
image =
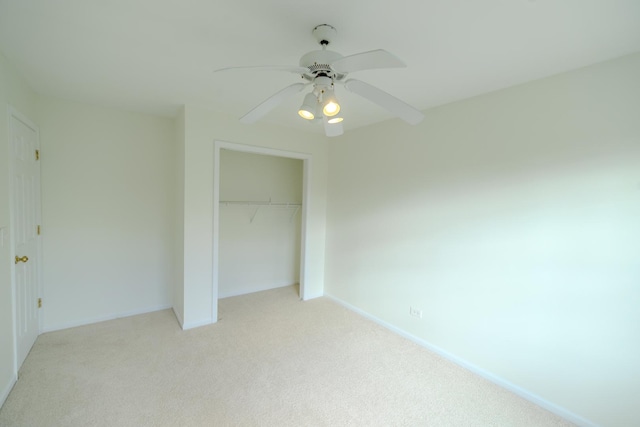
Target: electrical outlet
pixel 415 312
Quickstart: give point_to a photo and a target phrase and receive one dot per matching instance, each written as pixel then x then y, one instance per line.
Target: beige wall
pixel 512 221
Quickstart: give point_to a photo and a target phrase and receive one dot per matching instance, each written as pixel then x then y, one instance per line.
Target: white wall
pixel 14 92
pixel 264 253
pixel 108 205
pixel 512 220
pixel 202 127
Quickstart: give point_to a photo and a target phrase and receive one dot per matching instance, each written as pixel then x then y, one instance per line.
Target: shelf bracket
pixel 294 213
pixel 254 214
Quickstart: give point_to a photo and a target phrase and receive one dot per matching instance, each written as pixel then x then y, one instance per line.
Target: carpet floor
pixel 271 360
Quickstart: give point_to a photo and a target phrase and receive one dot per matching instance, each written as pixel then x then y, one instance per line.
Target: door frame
pixel 306 200
pixel 13 113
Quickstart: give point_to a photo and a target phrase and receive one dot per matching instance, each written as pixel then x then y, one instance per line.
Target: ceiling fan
pixel 323 69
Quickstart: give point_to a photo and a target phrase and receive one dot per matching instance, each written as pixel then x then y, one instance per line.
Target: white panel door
pixel 26 217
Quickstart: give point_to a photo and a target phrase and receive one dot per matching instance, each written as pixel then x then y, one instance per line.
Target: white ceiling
pixel 155 55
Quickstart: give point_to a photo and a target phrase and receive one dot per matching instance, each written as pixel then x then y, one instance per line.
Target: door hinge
pixel 39 302
pixel 38 230
pixel 37 154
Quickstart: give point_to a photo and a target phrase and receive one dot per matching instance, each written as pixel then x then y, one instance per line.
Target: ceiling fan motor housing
pixel 317 61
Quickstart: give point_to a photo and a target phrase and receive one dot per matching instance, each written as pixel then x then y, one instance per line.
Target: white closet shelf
pixel 259 204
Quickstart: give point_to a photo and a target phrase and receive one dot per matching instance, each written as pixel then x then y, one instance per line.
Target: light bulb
pixel 330 105
pixel 306 114
pixel 335 120
pixel 331 108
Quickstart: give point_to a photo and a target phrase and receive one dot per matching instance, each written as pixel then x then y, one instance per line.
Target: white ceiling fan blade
pixel 270 103
pixel 290 69
pixel 332 129
pixel 367 61
pixel 389 102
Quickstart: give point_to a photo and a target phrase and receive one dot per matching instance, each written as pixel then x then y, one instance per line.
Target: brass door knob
pixel 22 259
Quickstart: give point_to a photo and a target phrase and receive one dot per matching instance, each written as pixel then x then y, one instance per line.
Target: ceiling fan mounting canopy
pixel 324 33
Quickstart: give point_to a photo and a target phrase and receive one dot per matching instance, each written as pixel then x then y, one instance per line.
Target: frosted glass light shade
pixel 308 107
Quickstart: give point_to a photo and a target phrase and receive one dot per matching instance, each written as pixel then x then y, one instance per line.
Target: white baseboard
pixel 113 316
pixel 567 415
pixel 191 325
pixel 253 289
pixel 309 296
pixel 7 389
pixel 306 297
pixel 178 317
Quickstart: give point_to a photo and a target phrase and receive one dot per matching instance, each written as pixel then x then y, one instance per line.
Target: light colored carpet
pixel 271 360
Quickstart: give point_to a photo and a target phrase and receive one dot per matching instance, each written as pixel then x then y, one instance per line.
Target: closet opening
pixel 260 220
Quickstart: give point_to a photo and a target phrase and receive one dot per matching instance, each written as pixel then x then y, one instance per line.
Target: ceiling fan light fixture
pixel 308 107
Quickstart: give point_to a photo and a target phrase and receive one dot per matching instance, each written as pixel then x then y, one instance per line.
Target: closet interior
pixel 260 222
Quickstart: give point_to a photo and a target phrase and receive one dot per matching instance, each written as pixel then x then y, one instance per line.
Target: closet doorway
pixel 260 205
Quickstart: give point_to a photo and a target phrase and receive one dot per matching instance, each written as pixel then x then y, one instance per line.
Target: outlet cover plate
pixel 415 312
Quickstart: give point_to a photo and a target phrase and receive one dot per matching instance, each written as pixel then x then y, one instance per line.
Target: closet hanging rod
pixel 258 203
